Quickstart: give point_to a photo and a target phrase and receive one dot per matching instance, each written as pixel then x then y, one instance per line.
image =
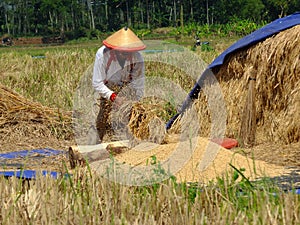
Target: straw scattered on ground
pixel 23 122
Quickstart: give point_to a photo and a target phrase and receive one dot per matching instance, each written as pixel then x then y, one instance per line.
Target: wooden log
pixel 82 154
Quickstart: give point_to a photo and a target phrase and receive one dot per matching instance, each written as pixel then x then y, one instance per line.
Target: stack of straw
pixel 18 115
pixel 145 119
pixel 275 63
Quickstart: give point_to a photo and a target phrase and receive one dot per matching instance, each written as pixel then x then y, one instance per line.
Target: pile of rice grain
pixel 191 171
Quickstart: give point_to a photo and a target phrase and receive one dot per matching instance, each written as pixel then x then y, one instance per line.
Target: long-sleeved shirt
pixel 107 70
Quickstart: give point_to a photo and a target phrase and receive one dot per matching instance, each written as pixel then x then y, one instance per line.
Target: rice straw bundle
pixel 248 124
pixel 16 111
pixel 275 63
pixel 145 120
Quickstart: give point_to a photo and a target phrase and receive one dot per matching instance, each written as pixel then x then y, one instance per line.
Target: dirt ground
pixel 30 142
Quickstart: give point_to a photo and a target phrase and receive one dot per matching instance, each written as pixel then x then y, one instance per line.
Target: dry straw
pixel 275 63
pixel 248 122
pixel 18 115
pixel 145 120
pixel 272 100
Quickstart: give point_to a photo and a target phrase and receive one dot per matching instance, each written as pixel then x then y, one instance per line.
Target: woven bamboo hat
pixel 124 40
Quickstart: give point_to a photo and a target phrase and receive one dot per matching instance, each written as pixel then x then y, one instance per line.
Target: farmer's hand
pixel 117 100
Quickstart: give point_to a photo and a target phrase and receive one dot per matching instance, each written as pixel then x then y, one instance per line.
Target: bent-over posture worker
pixel 118 64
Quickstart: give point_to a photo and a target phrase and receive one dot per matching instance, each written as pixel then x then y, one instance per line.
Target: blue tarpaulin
pixel 29 153
pixel 28 174
pixel 36 154
pixel 257 36
pixel 32 174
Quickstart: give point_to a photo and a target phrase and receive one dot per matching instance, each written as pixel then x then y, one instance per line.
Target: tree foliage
pixel 76 18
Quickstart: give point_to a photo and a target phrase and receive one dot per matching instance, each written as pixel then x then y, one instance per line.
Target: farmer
pixel 118 64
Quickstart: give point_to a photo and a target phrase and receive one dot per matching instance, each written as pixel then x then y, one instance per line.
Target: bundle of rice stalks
pixel 145 124
pixel 18 116
pixel 275 63
pixel 145 119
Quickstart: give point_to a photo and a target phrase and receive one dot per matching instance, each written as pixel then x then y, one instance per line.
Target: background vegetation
pixel 73 19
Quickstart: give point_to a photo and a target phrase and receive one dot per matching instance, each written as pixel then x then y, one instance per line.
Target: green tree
pixel 54 17
pixel 283 6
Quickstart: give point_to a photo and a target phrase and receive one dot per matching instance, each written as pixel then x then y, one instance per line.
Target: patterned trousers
pixel 103 124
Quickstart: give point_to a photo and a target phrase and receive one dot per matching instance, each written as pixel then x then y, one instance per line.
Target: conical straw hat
pixel 124 40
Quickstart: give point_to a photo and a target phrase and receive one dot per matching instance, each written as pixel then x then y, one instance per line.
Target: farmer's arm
pixel 99 76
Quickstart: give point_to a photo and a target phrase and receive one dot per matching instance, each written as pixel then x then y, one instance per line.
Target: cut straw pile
pixel 21 117
pixel 145 119
pixel 275 63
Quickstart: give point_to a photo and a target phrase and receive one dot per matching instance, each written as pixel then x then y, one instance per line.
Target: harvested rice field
pixel 261 90
pixel 26 124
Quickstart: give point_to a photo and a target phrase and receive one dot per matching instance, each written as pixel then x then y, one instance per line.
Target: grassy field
pixel 50 75
pixel 85 198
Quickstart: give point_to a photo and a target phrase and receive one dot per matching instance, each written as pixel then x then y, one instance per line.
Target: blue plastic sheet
pixel 35 153
pixel 259 35
pixel 29 174
pixel 296 191
pixel 29 153
pixel 32 174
